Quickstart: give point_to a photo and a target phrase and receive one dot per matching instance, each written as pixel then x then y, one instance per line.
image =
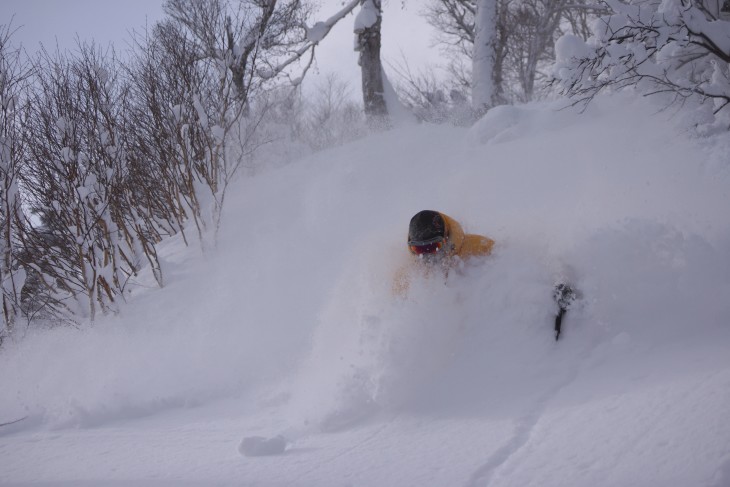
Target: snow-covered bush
pixel 74 180
pixel 679 48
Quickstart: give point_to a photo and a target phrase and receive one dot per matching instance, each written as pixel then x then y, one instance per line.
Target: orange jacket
pixel 458 244
pixel 465 245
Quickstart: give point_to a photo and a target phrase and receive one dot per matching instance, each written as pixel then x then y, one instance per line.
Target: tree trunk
pixel 7 275
pixel 367 30
pixel 485 75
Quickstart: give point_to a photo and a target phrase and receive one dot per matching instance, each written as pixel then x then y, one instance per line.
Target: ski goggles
pixel 428 247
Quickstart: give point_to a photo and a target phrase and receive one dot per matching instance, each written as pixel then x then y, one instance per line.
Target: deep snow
pixel 290 327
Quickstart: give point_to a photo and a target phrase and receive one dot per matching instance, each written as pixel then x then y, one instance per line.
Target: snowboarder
pixel 438 243
pixel 433 236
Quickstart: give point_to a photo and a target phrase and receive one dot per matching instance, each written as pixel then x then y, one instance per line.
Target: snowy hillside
pixel 290 328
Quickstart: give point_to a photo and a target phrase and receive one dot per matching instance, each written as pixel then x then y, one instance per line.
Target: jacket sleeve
pixel 476 246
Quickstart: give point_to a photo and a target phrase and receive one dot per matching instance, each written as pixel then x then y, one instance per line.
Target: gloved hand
pixel 564 295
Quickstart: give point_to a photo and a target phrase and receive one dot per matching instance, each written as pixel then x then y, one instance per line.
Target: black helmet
pixel 426 226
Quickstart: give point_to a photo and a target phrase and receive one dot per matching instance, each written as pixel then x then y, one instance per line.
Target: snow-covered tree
pixel 258 41
pixel 534 26
pixel 234 53
pixel 522 46
pixel 486 87
pixel 249 39
pixel 680 48
pixel 367 44
pixel 13 76
pixel 177 136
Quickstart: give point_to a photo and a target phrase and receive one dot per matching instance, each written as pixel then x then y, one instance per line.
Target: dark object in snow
pixel 259 446
pixel 564 295
pixel 13 422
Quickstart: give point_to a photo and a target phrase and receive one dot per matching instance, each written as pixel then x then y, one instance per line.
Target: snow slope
pixel 290 328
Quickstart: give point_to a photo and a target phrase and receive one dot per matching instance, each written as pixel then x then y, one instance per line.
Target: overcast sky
pixel 48 22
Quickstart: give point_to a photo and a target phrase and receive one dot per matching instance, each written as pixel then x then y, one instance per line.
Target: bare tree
pixel 13 78
pixel 534 27
pixel 329 117
pixel 454 24
pixel 432 99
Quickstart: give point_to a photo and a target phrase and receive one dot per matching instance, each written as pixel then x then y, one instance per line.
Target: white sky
pixel 48 22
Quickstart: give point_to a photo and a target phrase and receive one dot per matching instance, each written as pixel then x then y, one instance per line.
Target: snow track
pixel 521 436
pixel 525 425
pixel 369 438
